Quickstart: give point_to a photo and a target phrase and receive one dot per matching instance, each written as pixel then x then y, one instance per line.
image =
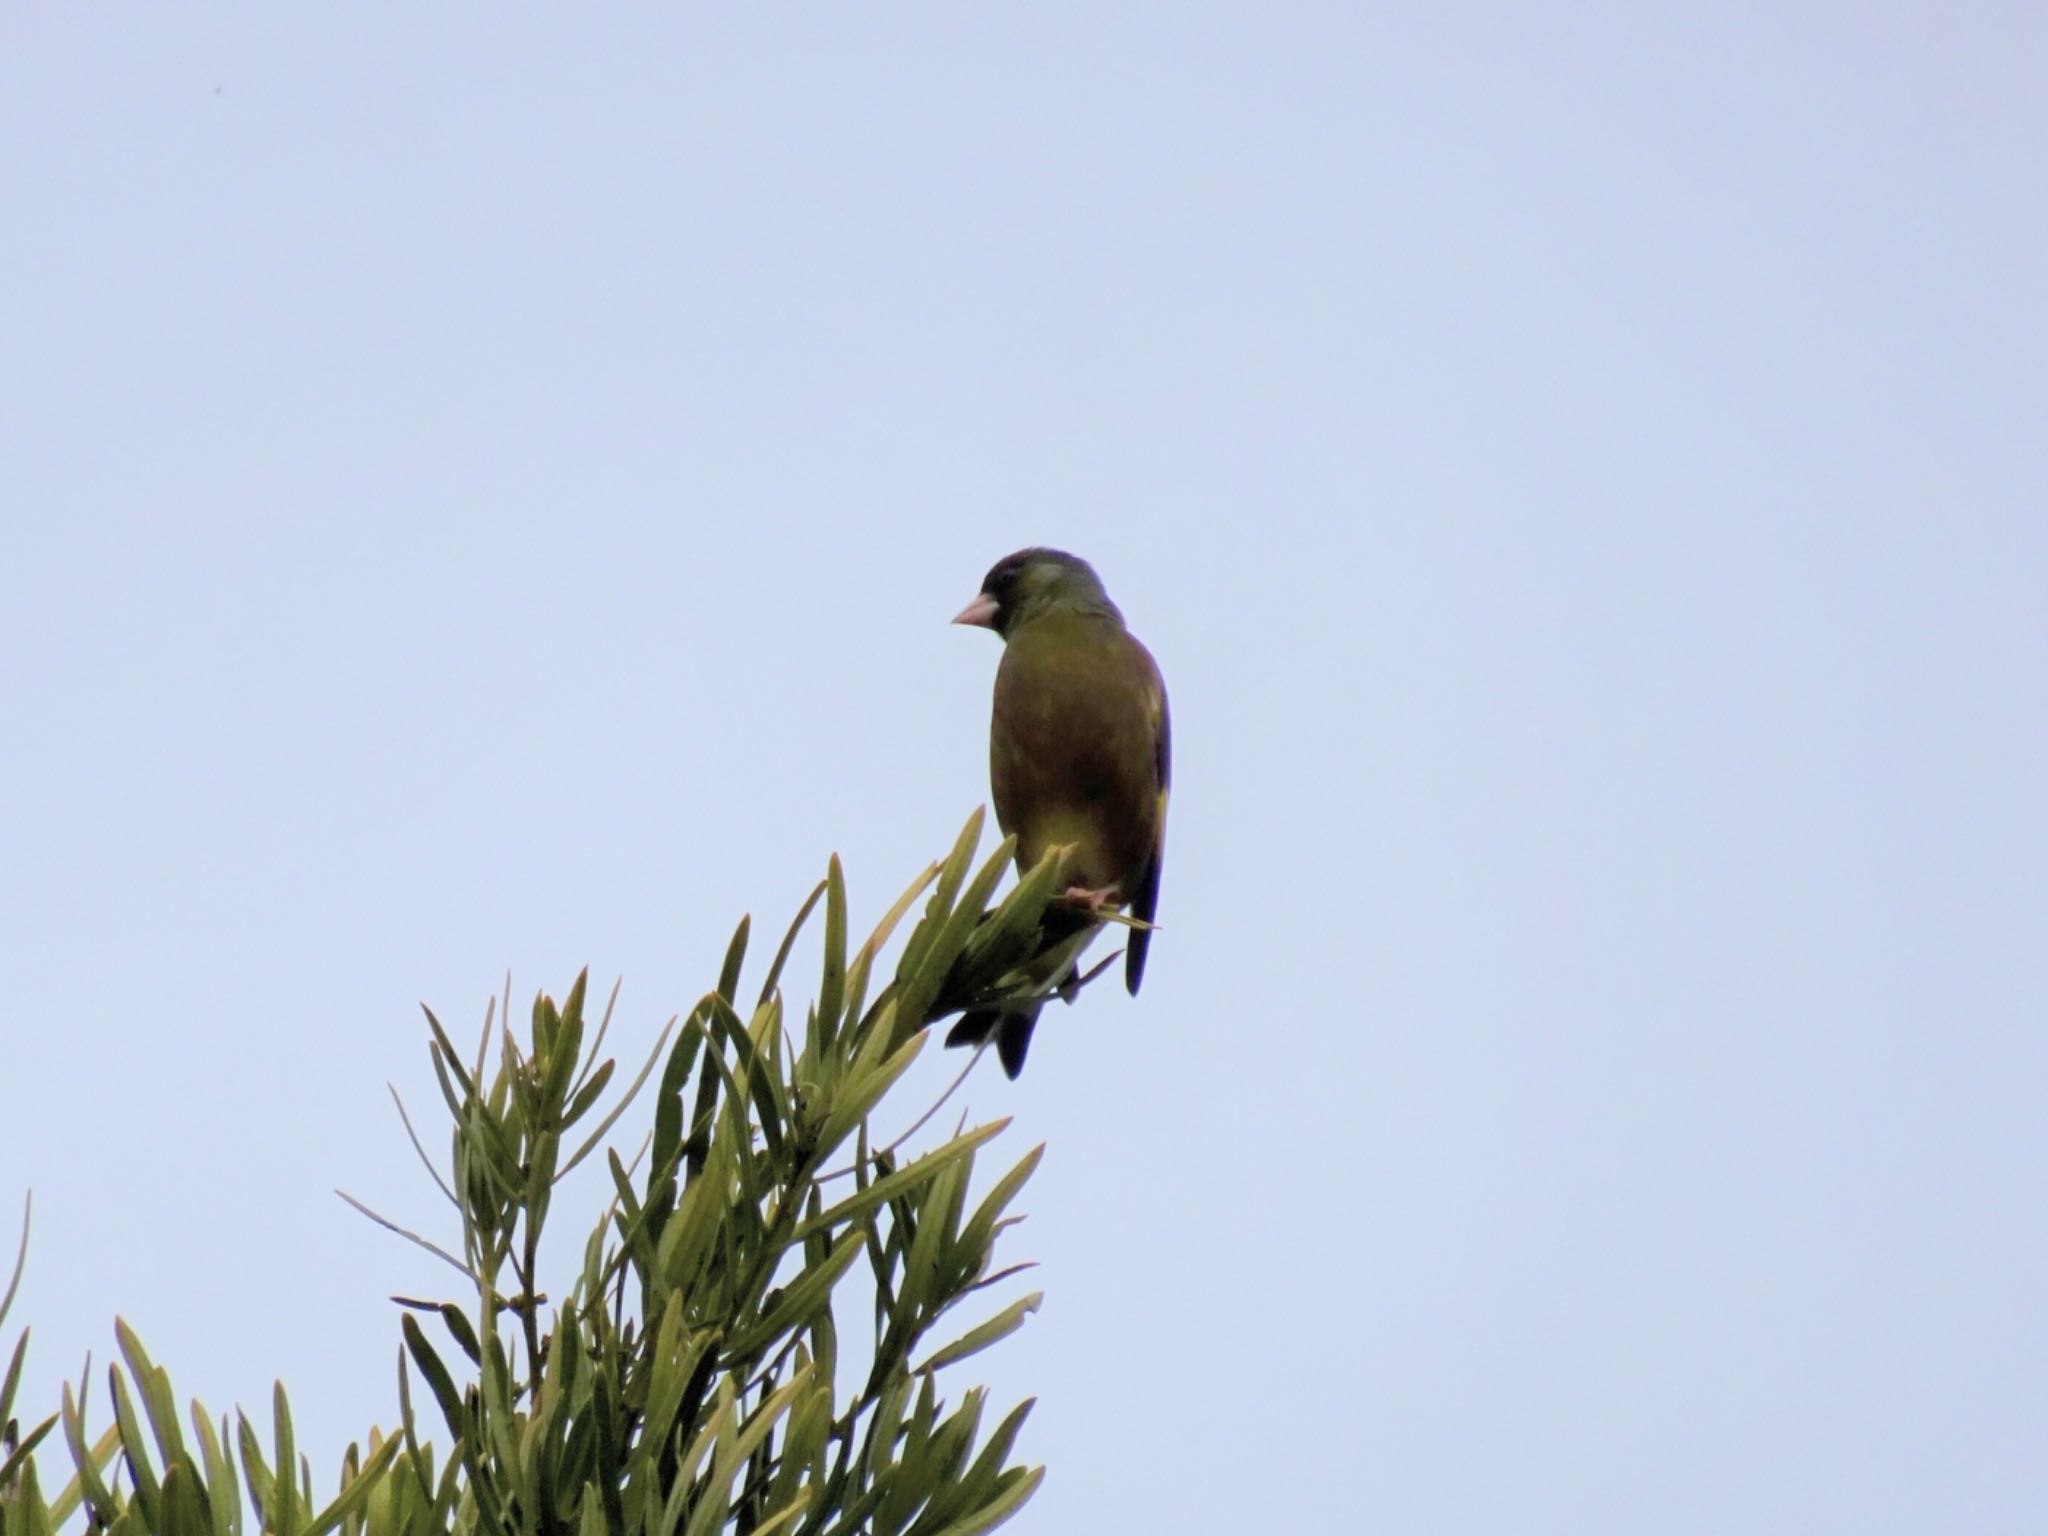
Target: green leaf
pixel 355 1493
pixel 798 1303
pixel 12 1380
pixel 832 984
pixel 802 1452
pixel 861 1088
pixel 24 1450
pixel 886 1423
pixel 420 1462
pixel 782 1517
pixel 722 1417
pixel 902 1181
pixel 460 1329
pixel 951 872
pixel 1002 1325
pixel 28 1206
pixel 938 1216
pixel 788 942
pixel 255 1470
pixel 857 983
pixel 921 984
pixel 980 1230
pixel 448 1057
pixel 438 1379
pixel 1012 1489
pixel 134 1445
pixel 155 1388
pixel 183 1509
pixel 591 1091
pixel 938 1468
pixel 764 1419
pixel 671 1363
pixel 735 956
pixel 668 1104
pixel 285 1514
pixel 761 1084
pixel 911 1485
pixel 632 1092
pixel 973 1488
pixel 224 1488
pixel 1011 934
pixel 91 1488
pixel 561 1053
pixel 604 1024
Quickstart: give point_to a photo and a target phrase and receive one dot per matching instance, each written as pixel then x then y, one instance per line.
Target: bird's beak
pixel 981 611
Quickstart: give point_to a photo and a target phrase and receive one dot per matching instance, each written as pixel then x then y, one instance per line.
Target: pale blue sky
pixel 486 490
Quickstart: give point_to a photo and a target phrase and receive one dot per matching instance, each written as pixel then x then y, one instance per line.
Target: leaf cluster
pixel 695 1375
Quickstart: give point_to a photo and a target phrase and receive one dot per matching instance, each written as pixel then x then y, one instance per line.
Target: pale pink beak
pixel 981 611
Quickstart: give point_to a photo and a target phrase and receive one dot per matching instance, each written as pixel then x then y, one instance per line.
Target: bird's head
pixel 1034 582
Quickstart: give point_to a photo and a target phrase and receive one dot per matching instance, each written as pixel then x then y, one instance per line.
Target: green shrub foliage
pixel 694 1376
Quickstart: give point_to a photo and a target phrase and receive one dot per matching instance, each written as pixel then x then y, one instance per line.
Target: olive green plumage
pixel 1079 749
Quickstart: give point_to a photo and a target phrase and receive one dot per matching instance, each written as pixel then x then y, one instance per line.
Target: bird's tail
pixel 1053 975
pixel 1011 1029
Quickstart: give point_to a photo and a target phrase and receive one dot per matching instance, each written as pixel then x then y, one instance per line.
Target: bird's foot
pixel 1092 900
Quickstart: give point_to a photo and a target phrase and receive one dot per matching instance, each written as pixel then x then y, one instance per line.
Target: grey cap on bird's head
pixel 1033 578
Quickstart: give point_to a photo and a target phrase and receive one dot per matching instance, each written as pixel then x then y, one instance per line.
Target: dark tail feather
pixel 1146 904
pixel 1012 1032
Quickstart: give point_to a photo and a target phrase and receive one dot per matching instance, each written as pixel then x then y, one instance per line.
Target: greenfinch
pixel 1079 755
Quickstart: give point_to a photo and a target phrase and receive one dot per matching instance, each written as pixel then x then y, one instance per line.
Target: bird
pixel 1080 756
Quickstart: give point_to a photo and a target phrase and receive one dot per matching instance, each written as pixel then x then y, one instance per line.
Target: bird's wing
pixel 1145 897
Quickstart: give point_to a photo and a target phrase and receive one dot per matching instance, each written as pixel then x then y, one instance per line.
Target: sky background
pixel 485 491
